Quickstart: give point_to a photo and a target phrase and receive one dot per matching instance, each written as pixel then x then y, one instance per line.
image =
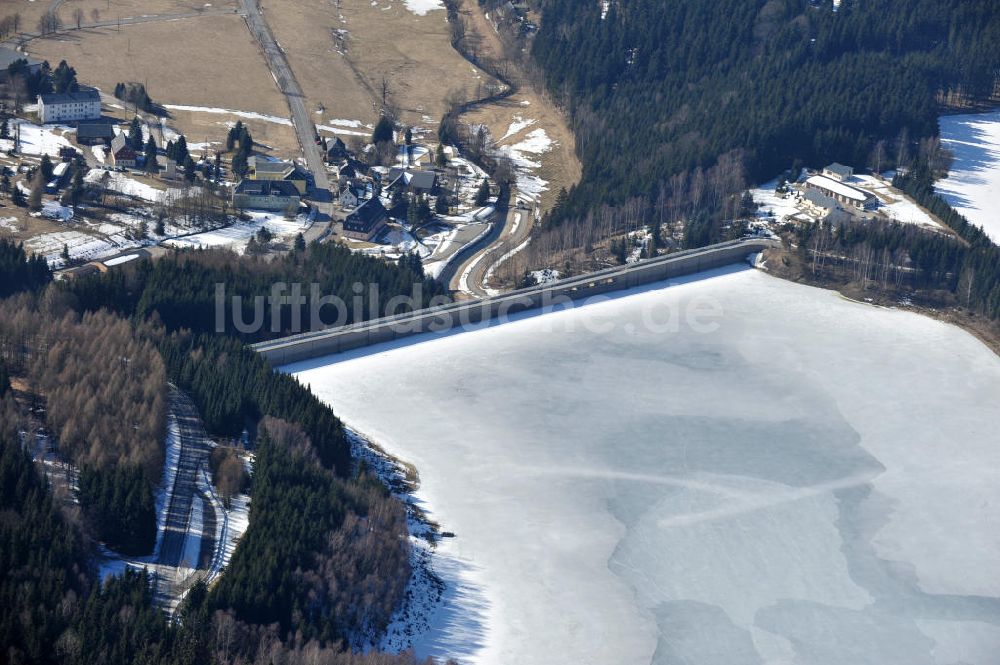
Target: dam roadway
pixel 308 345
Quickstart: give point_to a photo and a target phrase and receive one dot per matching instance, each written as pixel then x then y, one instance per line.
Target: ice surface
pixel 973 183
pixel 781 483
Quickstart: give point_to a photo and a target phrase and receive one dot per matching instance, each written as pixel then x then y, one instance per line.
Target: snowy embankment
pixel 973 183
pixel 425 588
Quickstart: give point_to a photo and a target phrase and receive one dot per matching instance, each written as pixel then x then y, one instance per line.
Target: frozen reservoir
pixel 789 477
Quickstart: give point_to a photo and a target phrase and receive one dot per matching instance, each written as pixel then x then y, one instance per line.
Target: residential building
pixel 263 169
pixel 84 104
pixel 827 208
pixel 352 196
pixel 94 133
pixel 842 192
pixel 367 220
pixel 838 172
pixel 122 155
pixel 273 195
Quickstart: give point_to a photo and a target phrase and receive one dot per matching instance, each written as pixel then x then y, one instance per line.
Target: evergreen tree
pixel 483 193
pixel 300 243
pixel 150 153
pixel 46 168
pixel 439 157
pixel 383 132
pixel 135 134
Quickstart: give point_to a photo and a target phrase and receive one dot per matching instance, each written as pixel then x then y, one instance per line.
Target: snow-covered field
pixel 236 236
pixel 774 480
pixel 973 184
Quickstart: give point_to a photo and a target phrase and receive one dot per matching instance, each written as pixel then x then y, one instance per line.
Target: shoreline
pixel 982 329
pixel 425 589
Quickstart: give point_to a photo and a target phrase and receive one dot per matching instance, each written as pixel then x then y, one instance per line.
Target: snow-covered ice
pixel 777 482
pixel 973 183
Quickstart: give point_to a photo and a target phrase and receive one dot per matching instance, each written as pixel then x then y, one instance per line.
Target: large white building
pixel 85 104
pixel 842 192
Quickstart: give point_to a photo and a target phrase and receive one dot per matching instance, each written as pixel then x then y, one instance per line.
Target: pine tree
pixel 65 254
pixel 300 243
pixel 483 194
pixel 135 134
pixel 383 132
pixel 46 168
pixel 150 154
pixel 439 159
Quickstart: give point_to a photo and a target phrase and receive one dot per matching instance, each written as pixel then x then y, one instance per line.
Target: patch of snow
pixel 517 126
pixel 98 151
pixel 236 236
pixel 43 139
pixel 421 7
pixel 249 115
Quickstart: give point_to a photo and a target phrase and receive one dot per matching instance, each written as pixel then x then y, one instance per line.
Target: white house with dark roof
pixel 84 104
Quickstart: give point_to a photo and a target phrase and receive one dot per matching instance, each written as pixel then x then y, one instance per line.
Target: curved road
pixel 469 276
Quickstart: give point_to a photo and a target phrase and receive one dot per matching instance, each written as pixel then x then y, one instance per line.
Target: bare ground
pixel 560 166
pixel 340 53
pixel 209 61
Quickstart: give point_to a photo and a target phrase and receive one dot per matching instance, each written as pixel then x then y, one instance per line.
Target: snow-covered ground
pixel 772 205
pixel 421 7
pixel 894 203
pixel 43 139
pixel 524 154
pixel 973 184
pixel 773 480
pixel 236 236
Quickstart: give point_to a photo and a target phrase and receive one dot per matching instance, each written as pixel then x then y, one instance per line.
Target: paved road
pixel 194 453
pixel 515 227
pixel 283 75
pixel 305 130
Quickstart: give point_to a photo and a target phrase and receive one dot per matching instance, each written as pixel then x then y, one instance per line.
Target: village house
pixel 273 195
pixel 366 221
pixel 122 155
pixel 94 133
pixel 838 172
pixel 84 104
pixel 842 192
pixel 825 208
pixel 353 195
pixel 263 169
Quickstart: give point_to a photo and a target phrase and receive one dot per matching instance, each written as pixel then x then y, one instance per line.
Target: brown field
pixel 412 52
pixel 30 11
pixel 111 9
pixel 560 166
pixel 209 61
